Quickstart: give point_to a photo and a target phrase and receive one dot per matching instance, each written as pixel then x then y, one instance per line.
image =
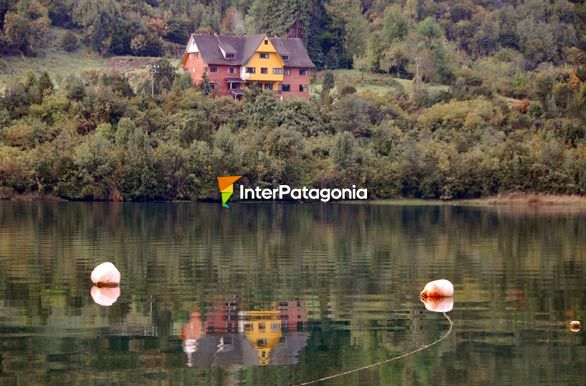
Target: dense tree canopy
pixel 95 137
pixel 380 36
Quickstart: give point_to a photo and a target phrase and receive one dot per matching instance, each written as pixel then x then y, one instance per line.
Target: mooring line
pixel 387 360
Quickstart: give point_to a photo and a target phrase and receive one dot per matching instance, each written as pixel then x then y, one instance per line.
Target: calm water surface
pixel 277 294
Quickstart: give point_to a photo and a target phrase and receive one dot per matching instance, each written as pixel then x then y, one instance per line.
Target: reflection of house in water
pixel 293 315
pixel 264 337
pixel 263 331
pixel 223 317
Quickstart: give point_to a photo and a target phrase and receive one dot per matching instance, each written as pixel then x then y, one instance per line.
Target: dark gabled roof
pixel 294 49
pixel 243 47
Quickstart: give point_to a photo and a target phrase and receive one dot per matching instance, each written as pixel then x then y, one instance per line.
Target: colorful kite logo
pixel 226 184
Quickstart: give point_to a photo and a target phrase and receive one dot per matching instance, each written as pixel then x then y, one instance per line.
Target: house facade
pixel 234 63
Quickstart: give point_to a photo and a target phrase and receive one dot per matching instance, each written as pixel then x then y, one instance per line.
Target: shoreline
pixel 514 199
pixel 530 199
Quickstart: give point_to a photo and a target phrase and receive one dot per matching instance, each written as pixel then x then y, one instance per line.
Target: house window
pixel 263 55
pixel 286 88
pixel 264 70
pixel 277 71
pixel 268 86
pixel 287 71
pixel 303 71
pixel 303 88
pixel 251 70
pixel 213 69
pixel 213 85
pixel 229 56
pixel 231 70
pixel 194 55
pixel 285 57
pixel 266 41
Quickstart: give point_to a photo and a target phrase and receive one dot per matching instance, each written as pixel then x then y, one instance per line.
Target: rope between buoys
pixel 386 360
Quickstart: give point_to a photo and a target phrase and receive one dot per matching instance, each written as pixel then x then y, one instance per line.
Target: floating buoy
pixel 106 275
pixel 438 304
pixel 438 289
pixel 575 326
pixel 105 296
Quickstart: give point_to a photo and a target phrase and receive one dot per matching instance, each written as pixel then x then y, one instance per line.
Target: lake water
pixel 277 294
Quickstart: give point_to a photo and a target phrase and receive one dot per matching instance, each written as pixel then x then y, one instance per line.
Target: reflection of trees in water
pixel 176 251
pixel 357 266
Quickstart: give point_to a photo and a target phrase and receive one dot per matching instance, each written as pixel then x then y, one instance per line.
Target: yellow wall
pixel 274 61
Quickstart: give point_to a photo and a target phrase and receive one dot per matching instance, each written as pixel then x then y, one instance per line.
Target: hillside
pixel 501 107
pixel 364 82
pixel 52 59
pixel 61 64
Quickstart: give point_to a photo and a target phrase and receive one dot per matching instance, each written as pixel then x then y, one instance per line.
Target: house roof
pixel 294 49
pixel 243 47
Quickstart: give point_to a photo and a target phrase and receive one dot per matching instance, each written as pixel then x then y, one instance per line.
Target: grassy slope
pixel 377 83
pixel 55 60
pixel 59 63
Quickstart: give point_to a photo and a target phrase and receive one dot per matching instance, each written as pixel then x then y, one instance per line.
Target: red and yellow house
pixel 234 63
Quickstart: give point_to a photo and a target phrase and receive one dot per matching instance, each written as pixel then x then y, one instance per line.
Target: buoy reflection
pixel 105 296
pixel 438 304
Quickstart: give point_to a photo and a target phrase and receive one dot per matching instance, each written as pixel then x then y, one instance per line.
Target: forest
pixel 509 116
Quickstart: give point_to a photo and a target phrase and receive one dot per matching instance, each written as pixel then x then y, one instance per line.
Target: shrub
pixel 69 42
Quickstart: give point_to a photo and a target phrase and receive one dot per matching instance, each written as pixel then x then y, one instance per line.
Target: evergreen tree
pixel 45 85
pixel 328 83
pixel 205 86
pixel 349 26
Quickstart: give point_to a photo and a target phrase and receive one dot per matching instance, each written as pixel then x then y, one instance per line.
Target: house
pixel 234 63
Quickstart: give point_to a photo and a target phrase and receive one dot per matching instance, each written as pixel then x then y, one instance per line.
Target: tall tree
pixel 99 18
pixel 349 25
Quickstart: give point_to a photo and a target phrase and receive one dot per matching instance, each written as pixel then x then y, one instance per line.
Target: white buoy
pixel 105 296
pixel 438 304
pixel 106 275
pixel 438 289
